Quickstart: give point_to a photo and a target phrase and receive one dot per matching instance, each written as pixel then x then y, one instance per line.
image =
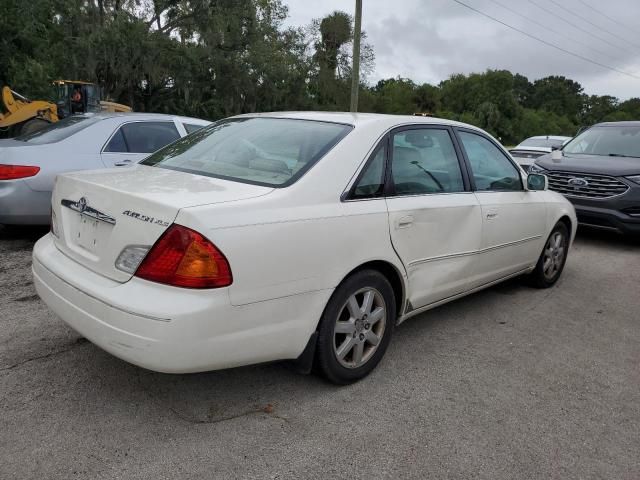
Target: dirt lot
pixel 509 383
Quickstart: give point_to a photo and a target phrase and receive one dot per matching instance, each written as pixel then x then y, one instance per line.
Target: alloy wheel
pixel 359 327
pixel 554 252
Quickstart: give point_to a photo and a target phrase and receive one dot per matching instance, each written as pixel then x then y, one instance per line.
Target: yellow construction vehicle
pixel 24 116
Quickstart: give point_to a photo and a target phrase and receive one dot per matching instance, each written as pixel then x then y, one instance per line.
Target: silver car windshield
pixel 60 130
pixel 541 142
pixel 264 151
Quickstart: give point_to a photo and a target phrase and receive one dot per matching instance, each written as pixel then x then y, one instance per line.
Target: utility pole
pixel 355 70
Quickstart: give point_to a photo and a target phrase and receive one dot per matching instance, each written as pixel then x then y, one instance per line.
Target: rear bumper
pixel 19 205
pixel 169 329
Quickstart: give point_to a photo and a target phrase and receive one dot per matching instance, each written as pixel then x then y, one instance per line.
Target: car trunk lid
pixel 99 213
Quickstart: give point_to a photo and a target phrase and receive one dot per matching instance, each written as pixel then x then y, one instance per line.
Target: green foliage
pixel 215 58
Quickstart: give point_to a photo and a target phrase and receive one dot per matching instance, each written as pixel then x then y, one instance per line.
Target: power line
pixel 553 45
pixel 591 23
pixel 546 27
pixel 578 27
pixel 600 12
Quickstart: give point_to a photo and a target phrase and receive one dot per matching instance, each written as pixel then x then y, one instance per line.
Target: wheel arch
pixel 391 273
pixel 567 221
pixel 304 363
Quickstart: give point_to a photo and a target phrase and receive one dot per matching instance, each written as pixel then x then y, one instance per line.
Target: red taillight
pixel 14 172
pixel 183 258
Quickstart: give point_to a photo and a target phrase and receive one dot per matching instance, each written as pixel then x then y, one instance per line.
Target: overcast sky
pixel 428 40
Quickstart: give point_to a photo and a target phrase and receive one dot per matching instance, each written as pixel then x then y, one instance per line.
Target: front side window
pixel 147 137
pixel 265 151
pixel 491 169
pixel 425 161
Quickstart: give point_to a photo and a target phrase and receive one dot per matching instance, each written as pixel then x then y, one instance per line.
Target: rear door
pixel 434 219
pixel 134 141
pixel 513 219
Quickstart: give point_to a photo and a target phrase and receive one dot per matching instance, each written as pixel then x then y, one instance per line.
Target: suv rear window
pixel 264 151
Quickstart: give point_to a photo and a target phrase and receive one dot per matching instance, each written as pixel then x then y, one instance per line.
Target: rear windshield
pixel 541 142
pixel 264 151
pixel 60 130
pixel 615 141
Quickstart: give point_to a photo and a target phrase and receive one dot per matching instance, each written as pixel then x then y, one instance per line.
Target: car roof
pixel 142 116
pixel 358 119
pixel 545 137
pixel 628 123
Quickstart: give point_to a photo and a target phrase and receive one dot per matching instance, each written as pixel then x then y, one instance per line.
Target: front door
pixel 513 218
pixel 435 220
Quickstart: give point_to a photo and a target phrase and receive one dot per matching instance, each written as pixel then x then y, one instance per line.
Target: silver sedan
pixel 29 163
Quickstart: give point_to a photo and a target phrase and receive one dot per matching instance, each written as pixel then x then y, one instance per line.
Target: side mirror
pixel 537 181
pixel 556 155
pixel 554 148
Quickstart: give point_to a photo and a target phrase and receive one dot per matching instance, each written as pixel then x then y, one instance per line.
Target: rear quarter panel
pixel 301 238
pixel 293 249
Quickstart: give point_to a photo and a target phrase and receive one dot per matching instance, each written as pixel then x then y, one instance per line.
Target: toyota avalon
pixel 306 236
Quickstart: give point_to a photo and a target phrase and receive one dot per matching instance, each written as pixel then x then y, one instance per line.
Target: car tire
pixel 33 125
pixel 552 259
pixel 356 327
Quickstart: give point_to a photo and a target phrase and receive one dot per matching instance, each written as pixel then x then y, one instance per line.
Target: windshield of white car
pixel 541 142
pixel 614 141
pixel 273 152
pixel 59 130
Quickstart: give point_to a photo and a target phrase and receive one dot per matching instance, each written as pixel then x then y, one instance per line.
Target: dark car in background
pixel 599 172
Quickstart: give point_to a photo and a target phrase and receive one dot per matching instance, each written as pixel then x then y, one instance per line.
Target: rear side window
pixel 491 168
pixel 190 128
pixel 264 151
pixel 147 137
pixel 371 183
pixel 425 161
pixel 117 143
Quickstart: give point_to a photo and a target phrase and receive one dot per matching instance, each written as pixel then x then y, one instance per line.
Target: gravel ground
pixel 508 383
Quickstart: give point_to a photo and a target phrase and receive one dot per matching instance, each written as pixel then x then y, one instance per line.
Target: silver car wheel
pixel 359 327
pixel 554 252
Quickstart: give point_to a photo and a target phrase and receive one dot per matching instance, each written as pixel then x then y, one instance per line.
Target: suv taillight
pixel 183 258
pixel 15 172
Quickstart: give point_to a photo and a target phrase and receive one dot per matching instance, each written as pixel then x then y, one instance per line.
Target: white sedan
pixel 29 163
pixel 305 236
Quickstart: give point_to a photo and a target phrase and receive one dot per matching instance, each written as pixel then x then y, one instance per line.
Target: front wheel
pixel 356 327
pixel 552 259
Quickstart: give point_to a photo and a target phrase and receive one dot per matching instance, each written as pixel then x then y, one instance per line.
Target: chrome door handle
pixel 491 214
pixel 405 222
pixel 123 163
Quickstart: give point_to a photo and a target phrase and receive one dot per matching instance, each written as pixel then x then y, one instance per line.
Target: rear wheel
pixel 356 327
pixel 552 259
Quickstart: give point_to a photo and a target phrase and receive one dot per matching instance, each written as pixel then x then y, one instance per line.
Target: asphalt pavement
pixel 509 383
